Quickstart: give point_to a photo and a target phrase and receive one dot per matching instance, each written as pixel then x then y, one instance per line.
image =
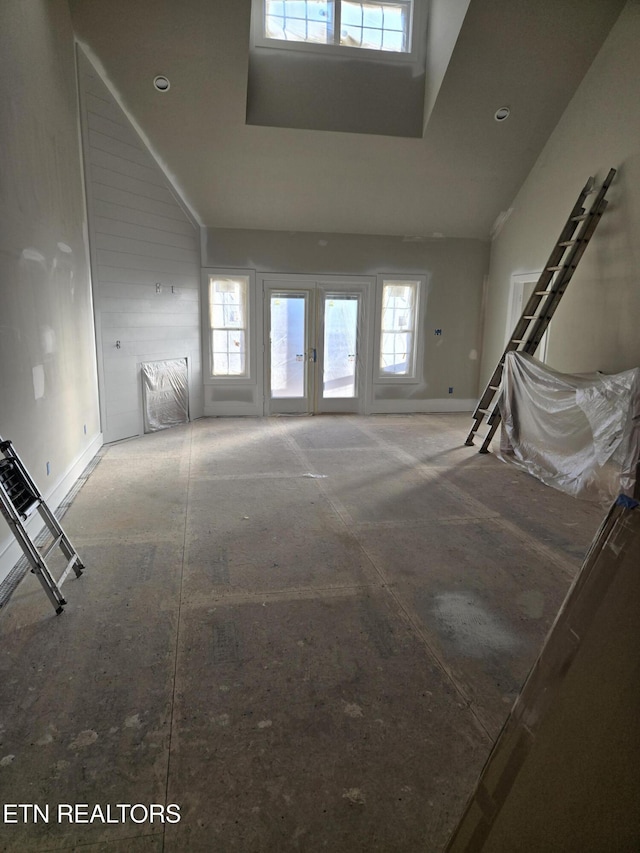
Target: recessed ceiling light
pixel 502 113
pixel 161 83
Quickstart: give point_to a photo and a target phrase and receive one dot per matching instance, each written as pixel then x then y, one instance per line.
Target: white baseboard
pixel 403 407
pixel 377 407
pixel 10 551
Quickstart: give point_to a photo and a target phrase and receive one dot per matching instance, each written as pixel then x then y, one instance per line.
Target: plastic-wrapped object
pixel 165 390
pixel 577 432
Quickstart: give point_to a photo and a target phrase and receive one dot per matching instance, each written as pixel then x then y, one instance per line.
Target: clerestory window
pixel 371 25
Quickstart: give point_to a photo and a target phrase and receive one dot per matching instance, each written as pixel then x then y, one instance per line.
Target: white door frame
pixel 317 286
pixel 516 306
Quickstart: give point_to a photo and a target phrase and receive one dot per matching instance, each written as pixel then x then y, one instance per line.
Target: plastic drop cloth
pixel 577 432
pixel 165 391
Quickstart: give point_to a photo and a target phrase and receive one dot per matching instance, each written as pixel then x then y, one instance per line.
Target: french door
pixel 315 345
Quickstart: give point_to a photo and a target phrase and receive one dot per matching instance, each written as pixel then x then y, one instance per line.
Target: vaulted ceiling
pixel 455 180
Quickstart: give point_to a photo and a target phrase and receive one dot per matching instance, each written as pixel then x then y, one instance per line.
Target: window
pixel 228 303
pixel 373 24
pixel 398 322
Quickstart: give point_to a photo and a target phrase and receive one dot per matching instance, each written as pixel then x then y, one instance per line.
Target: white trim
pixel 330 279
pixel 435 406
pixel 10 551
pixel 445 405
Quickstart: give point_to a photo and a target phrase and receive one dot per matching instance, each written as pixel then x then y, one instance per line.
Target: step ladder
pixel 19 499
pixel 544 300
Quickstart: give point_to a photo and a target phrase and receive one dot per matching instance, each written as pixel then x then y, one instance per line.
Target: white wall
pixel 596 325
pixel 145 255
pixel 445 21
pixel 454 271
pixel 48 388
pixel 288 88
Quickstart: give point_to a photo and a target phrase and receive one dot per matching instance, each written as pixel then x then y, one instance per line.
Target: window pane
pixel 233 316
pixel 220 341
pixel 340 341
pixel 217 316
pixel 318 12
pixel 228 353
pixel 396 354
pixel 395 42
pixel 288 345
pixel 298 20
pixel 316 33
pixel 372 16
pixel 376 25
pixel 372 39
pixel 388 343
pixel 351 36
pixel 351 14
pixel 236 364
pixel 220 364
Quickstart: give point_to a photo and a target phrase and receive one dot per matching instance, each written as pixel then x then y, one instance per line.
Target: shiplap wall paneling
pixel 145 253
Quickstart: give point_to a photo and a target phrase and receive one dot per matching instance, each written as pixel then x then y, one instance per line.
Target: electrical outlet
pixel 437 332
pixel 451 389
pixel 158 287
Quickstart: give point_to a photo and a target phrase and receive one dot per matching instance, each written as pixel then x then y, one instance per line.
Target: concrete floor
pixel 306 632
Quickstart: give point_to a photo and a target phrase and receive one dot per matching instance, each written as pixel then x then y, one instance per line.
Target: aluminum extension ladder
pixel 545 298
pixel 19 499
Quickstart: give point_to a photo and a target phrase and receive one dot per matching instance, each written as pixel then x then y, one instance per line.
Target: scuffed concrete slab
pixel 314 725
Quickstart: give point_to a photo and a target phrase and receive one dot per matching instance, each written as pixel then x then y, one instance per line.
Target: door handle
pixel 314 354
